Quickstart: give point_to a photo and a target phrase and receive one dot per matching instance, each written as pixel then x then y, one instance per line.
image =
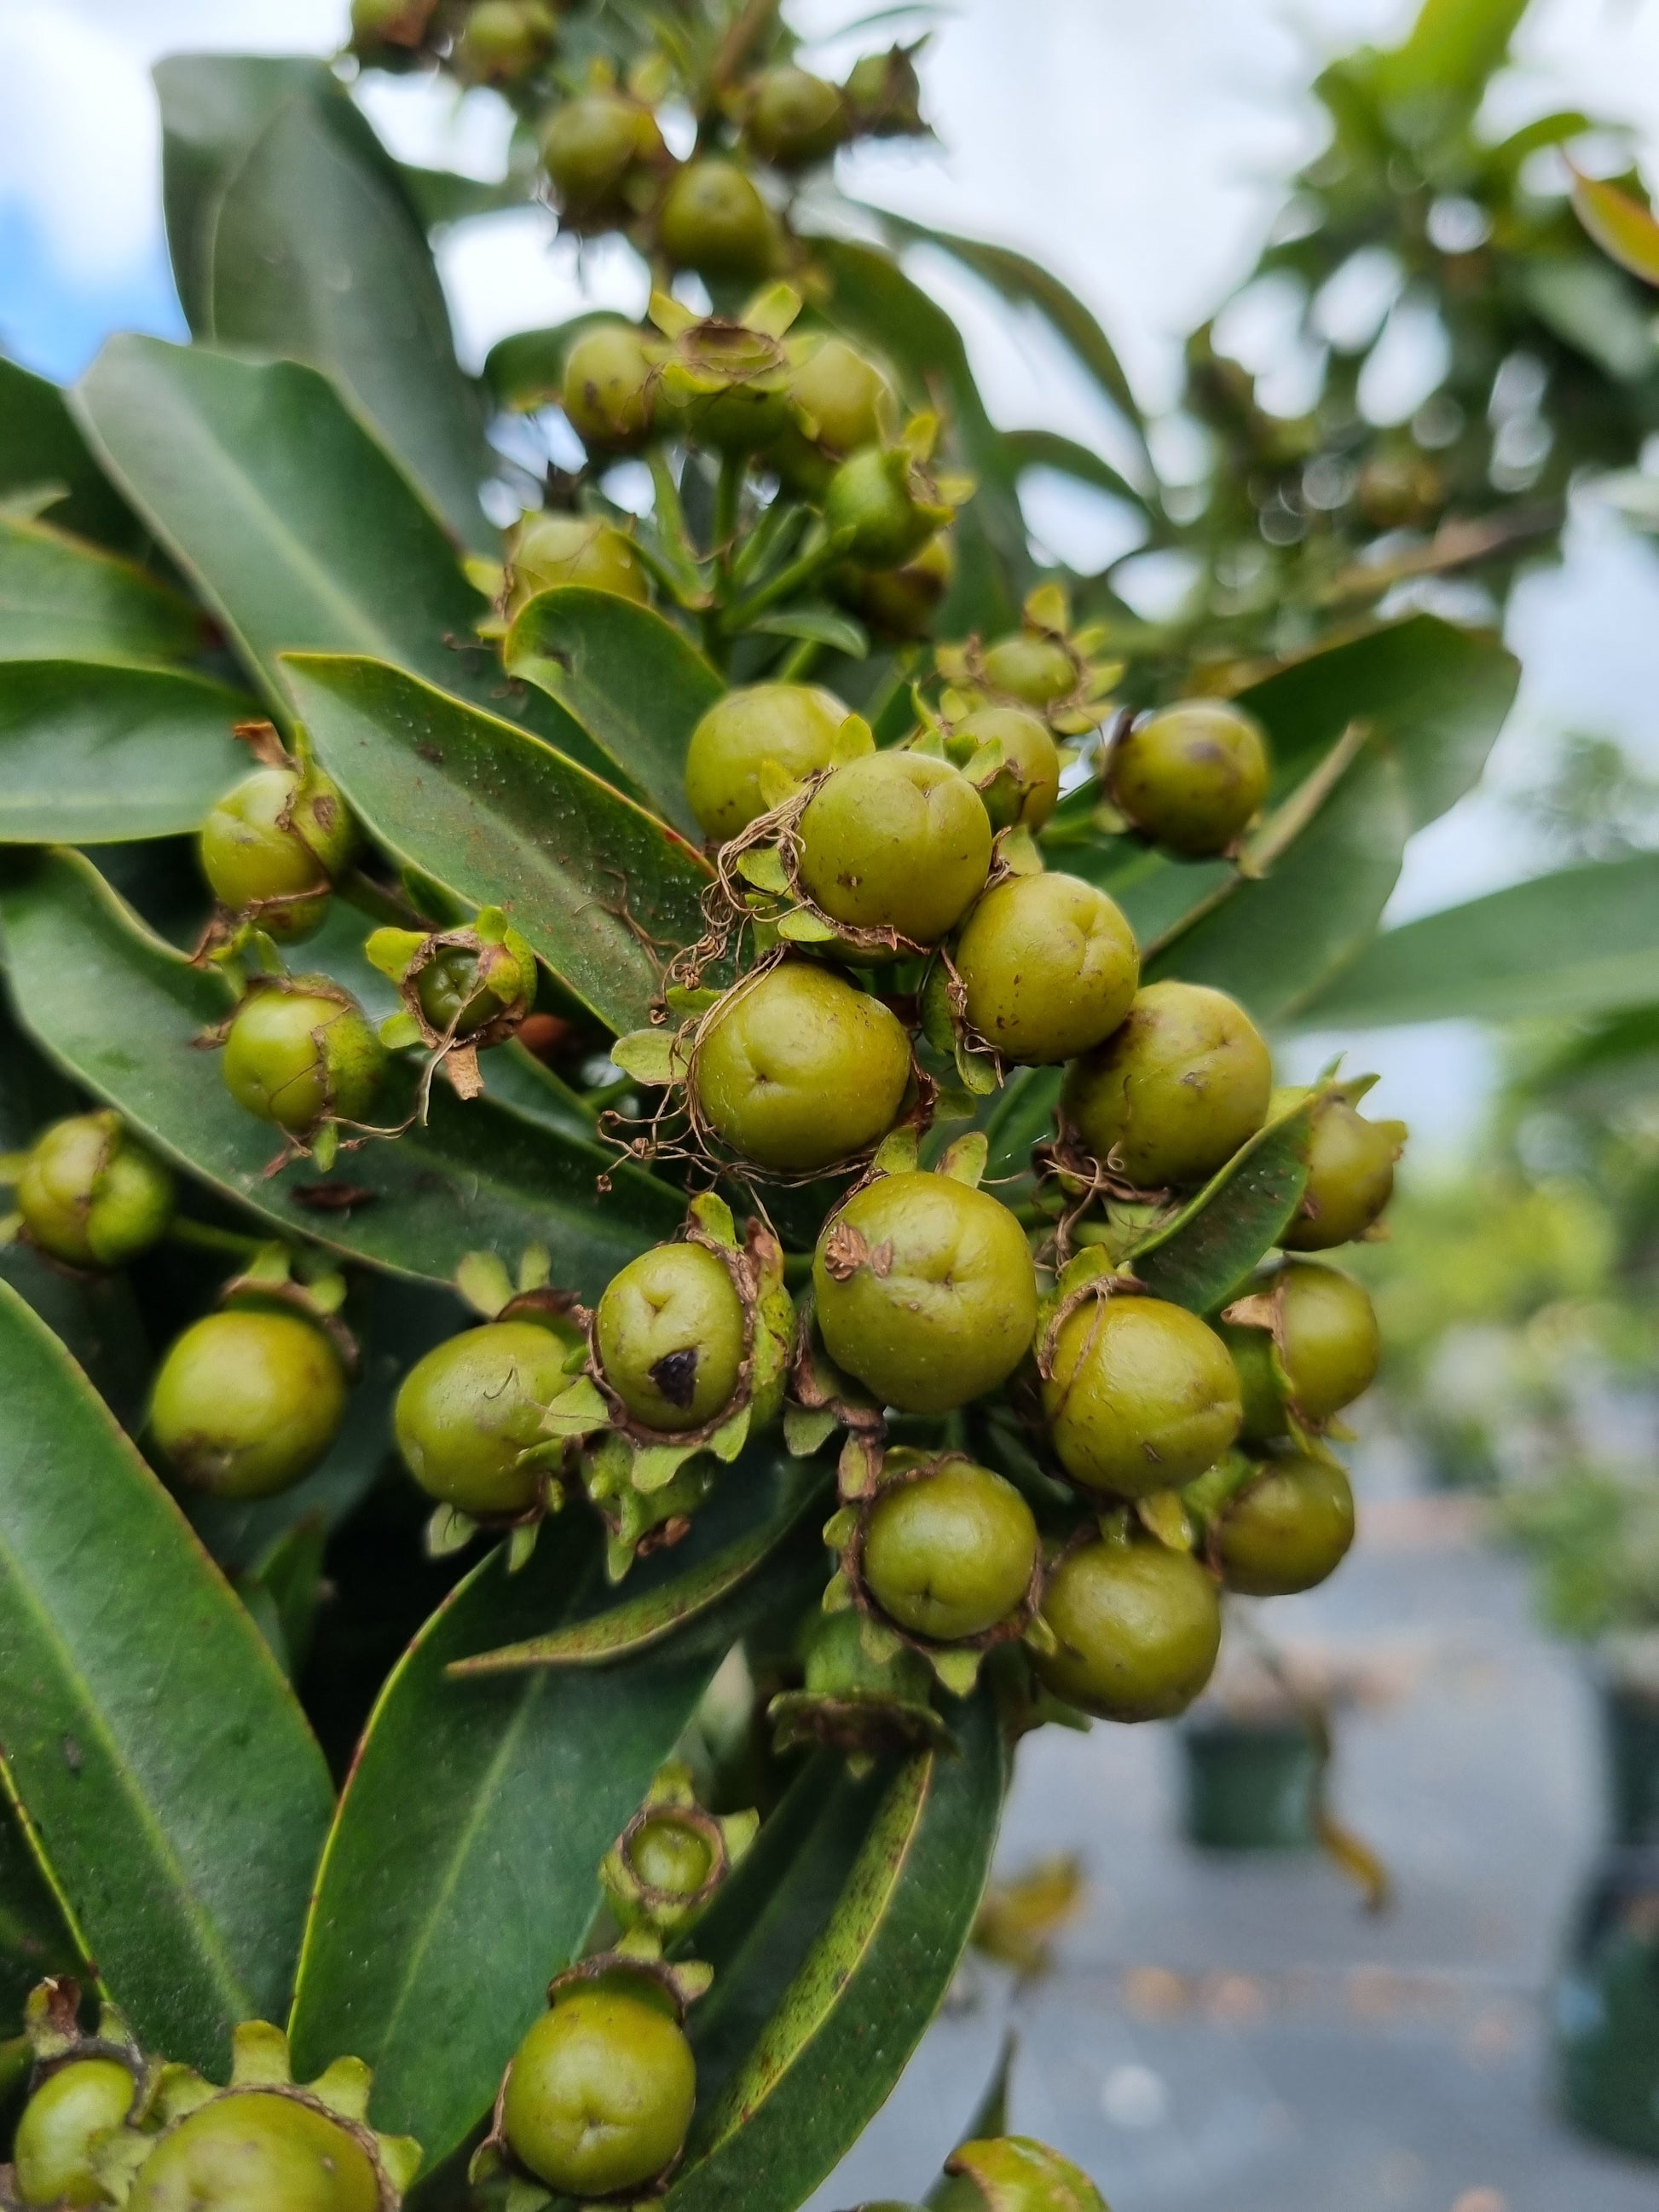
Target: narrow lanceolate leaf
pixel 35 1937
pixel 636 685
pixel 1620 226
pixel 499 1797
pixel 604 891
pixel 40 445
pixel 179 1797
pixel 833 1947
pixel 92 754
pixel 122 1012
pixel 1199 1258
pixel 61 597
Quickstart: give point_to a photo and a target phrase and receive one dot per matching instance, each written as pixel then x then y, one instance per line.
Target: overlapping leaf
pixel 41 448
pixel 62 598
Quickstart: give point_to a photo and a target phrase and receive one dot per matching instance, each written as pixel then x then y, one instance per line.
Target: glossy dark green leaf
pixel 64 598
pixel 525 369
pixel 1199 1258
pixel 41 445
pixel 441 195
pixel 604 891
pixel 636 684
pixel 833 1947
pixel 91 754
pixel 177 1792
pixel 121 1012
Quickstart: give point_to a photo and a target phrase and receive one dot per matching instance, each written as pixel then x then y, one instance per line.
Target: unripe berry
pixel 1141 1396
pixel 794 117
pixel 901 603
pixel 713 220
pixel 91 1195
pixel 504 41
pixel 590 144
pixel 296 1055
pixel 600 2094
pixel 1191 775
pixel 547 550
pixel 671 1856
pixel 1026 787
pixel 454 998
pixel 949 1554
pixel 896 841
pixel 846 399
pixel 471 1408
pixel 1027 665
pixel 390 22
pixel 1329 1347
pixel 63 2123
pixel 872 495
pixel 271 847
pixel 1289 1530
pixel 1049 967
pixel 246 1402
pixel 608 394
pixel 1136 1628
pixel 1171 1096
pixel 255 2151
pixel 794 725
pixel 670 1336
pixel 800 1070
pixel 1016 2173
pixel 1349 1175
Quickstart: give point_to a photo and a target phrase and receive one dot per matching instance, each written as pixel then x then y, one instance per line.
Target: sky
pixel 1140 152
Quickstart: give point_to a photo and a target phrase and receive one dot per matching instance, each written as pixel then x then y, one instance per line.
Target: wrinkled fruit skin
pixel 272 845
pixel 896 841
pixel 1050 966
pixel 793 725
pixel 1350 1177
pixel 1289 1530
pixel 1331 1348
pixel 589 146
pixel 601 2095
pixel 91 1195
pixel 669 1333
pixel 1137 1629
pixel 714 220
pixel 472 1405
pixel 870 495
pixel 1023 666
pixel 671 1856
pixel 794 118
pixel 1142 1396
pixel 950 1554
pixel 1026 787
pixel 61 2125
pixel 245 1403
pixel 801 1069
pixel 295 1056
pixel 1171 1096
pixel 572 549
pixel 941 1302
pixel 1191 775
pixel 1017 2173
pixel 253 2151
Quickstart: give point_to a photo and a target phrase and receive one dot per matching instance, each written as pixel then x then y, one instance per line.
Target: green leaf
pixel 525 370
pixel 35 1937
pixel 176 1790
pixel 446 196
pixel 1048 449
pixel 61 598
pixel 1594 308
pixel 40 444
pixel 92 754
pixel 1199 1258
pixel 833 1947
pixel 603 892
pixel 121 1012
pixel 1623 229
pixel 1582 941
pixel 636 685
pixel 1453 46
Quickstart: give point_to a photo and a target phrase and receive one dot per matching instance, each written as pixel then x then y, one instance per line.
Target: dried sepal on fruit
pixel 1044 666
pixel 859 1694
pixel 723 382
pixel 81 2089
pixel 667 1863
pixel 463 991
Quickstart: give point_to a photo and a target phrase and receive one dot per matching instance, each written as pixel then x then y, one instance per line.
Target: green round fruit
pixel 800 1070
pixel 1400 490
pixel 609 393
pixel 1136 1628
pixel 950 1553
pixel 63 2123
pixel 1349 1175
pixel 671 1856
pixel 1191 775
pixel 794 117
pixel 713 220
pixel 792 725
pixel 253 2150
pixel 669 1333
pixel 503 40
pixel 297 1057
pixel 454 997
pixel 1028 666
pixel 1026 787
pixel 469 1409
pixel 1017 2173
pixel 844 396
pixel 547 550
pixel 1289 1530
pixel 589 146
pixel 272 846
pixel 600 2094
pixel 246 1402
pixel 1332 1346
pixel 90 1194
pixel 900 604
pixel 1171 1096
pixel 399 23
pixel 925 1290
pixel 870 496
pixel 1049 967
pixel 896 841
pixel 1141 1395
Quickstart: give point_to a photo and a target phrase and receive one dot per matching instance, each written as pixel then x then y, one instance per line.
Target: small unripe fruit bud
pixel 1289 1530
pixel 589 146
pixel 713 220
pixel 297 1055
pixel 91 1195
pixel 504 41
pixel 608 394
pixel 1016 2173
pixel 271 847
pixel 454 998
pixel 896 841
pixel 1190 776
pixel 950 1554
pixel 799 1069
pixel 670 1336
pixel 1171 1096
pixel 794 725
pixel 1049 967
pixel 872 495
pixel 246 1402
pixel 1349 1175
pixel 1029 666
pixel 258 2152
pixel 600 2094
pixel 671 1856
pixel 794 117
pixel 1141 1396
pixel 1026 787
pixel 547 550
pixel 472 1406
pixel 62 2125
pixel 925 1290
pixel 844 397
pixel 1329 1347
pixel 1137 1630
